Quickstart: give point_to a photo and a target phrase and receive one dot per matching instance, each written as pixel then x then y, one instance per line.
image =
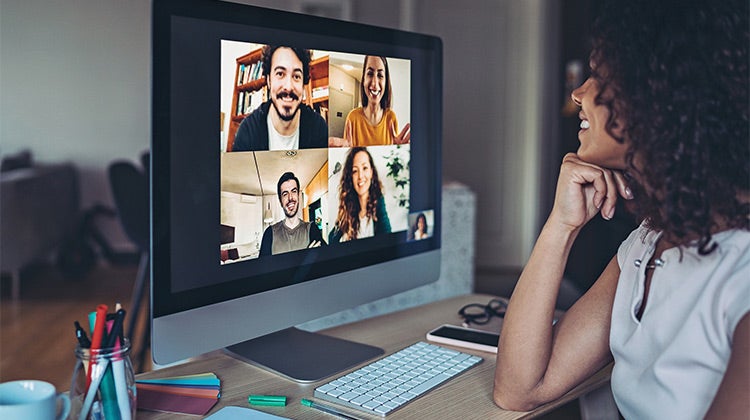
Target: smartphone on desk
pixel 465 337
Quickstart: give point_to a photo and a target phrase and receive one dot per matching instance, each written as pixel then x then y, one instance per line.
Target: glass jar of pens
pixel 103 383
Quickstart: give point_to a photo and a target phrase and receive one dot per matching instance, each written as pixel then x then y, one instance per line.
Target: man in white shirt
pixel 283 122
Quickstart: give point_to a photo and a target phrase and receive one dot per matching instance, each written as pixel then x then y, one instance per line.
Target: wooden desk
pixel 466 396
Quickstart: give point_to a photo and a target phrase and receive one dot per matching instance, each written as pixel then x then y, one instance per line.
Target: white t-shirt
pixel 278 142
pixel 669 364
pixel 366 228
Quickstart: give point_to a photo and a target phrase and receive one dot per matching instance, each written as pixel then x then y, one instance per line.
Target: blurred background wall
pixel 75 86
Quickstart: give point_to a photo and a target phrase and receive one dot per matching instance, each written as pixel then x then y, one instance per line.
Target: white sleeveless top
pixel 671 362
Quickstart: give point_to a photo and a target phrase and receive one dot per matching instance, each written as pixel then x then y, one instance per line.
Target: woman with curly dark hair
pixel 362 211
pixel 664 125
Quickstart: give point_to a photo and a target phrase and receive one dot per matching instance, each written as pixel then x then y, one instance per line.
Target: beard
pixel 291 213
pixel 280 107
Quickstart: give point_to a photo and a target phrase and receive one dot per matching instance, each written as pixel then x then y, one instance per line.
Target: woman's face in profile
pixel 374 81
pixel 361 173
pixel 597 144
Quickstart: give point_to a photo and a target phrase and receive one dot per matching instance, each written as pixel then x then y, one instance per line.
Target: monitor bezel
pixel 164 300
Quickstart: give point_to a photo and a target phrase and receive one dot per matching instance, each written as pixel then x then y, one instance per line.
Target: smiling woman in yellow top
pixel 375 122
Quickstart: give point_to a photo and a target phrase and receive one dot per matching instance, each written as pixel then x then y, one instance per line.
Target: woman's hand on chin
pixel 585 189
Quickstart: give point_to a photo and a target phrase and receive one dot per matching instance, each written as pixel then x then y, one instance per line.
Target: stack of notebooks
pixel 190 394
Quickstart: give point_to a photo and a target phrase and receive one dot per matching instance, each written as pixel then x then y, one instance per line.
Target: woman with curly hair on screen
pixel 362 210
pixel 664 125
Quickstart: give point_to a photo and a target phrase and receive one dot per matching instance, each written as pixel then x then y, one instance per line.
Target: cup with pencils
pixel 103 383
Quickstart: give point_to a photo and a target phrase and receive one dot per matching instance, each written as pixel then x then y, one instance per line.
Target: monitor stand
pixel 303 356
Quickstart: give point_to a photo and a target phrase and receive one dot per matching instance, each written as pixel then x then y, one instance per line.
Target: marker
pixel 116 331
pixel 93 388
pixel 97 337
pixel 118 366
pixel 83 340
pixel 107 387
pixel 269 400
pixel 327 409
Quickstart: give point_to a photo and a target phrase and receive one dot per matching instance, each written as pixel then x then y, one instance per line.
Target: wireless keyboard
pixel 387 384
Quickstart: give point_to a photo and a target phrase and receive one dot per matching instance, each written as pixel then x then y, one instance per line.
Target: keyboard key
pixel 431 383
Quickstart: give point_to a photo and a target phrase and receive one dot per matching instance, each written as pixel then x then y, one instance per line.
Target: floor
pixel 37 333
pixel 37 339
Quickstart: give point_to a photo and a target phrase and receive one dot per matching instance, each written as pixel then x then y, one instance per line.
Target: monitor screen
pixel 295 170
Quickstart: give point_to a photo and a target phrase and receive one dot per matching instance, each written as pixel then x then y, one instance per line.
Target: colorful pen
pixel 107 386
pixel 271 400
pixel 83 339
pixel 118 365
pixel 98 336
pixel 116 331
pixel 327 409
pixel 92 390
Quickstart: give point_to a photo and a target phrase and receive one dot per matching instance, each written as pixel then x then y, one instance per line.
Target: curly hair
pixel 305 56
pixel 676 74
pixel 347 219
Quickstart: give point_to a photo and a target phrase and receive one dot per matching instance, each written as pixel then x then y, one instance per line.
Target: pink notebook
pixel 190 394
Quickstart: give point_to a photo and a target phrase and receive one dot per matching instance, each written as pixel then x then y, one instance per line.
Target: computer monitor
pixel 230 231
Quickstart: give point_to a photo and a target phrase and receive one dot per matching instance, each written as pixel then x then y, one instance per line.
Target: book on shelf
pixel 257 70
pixel 241 75
pixel 248 101
pixel 320 92
pixel 249 72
